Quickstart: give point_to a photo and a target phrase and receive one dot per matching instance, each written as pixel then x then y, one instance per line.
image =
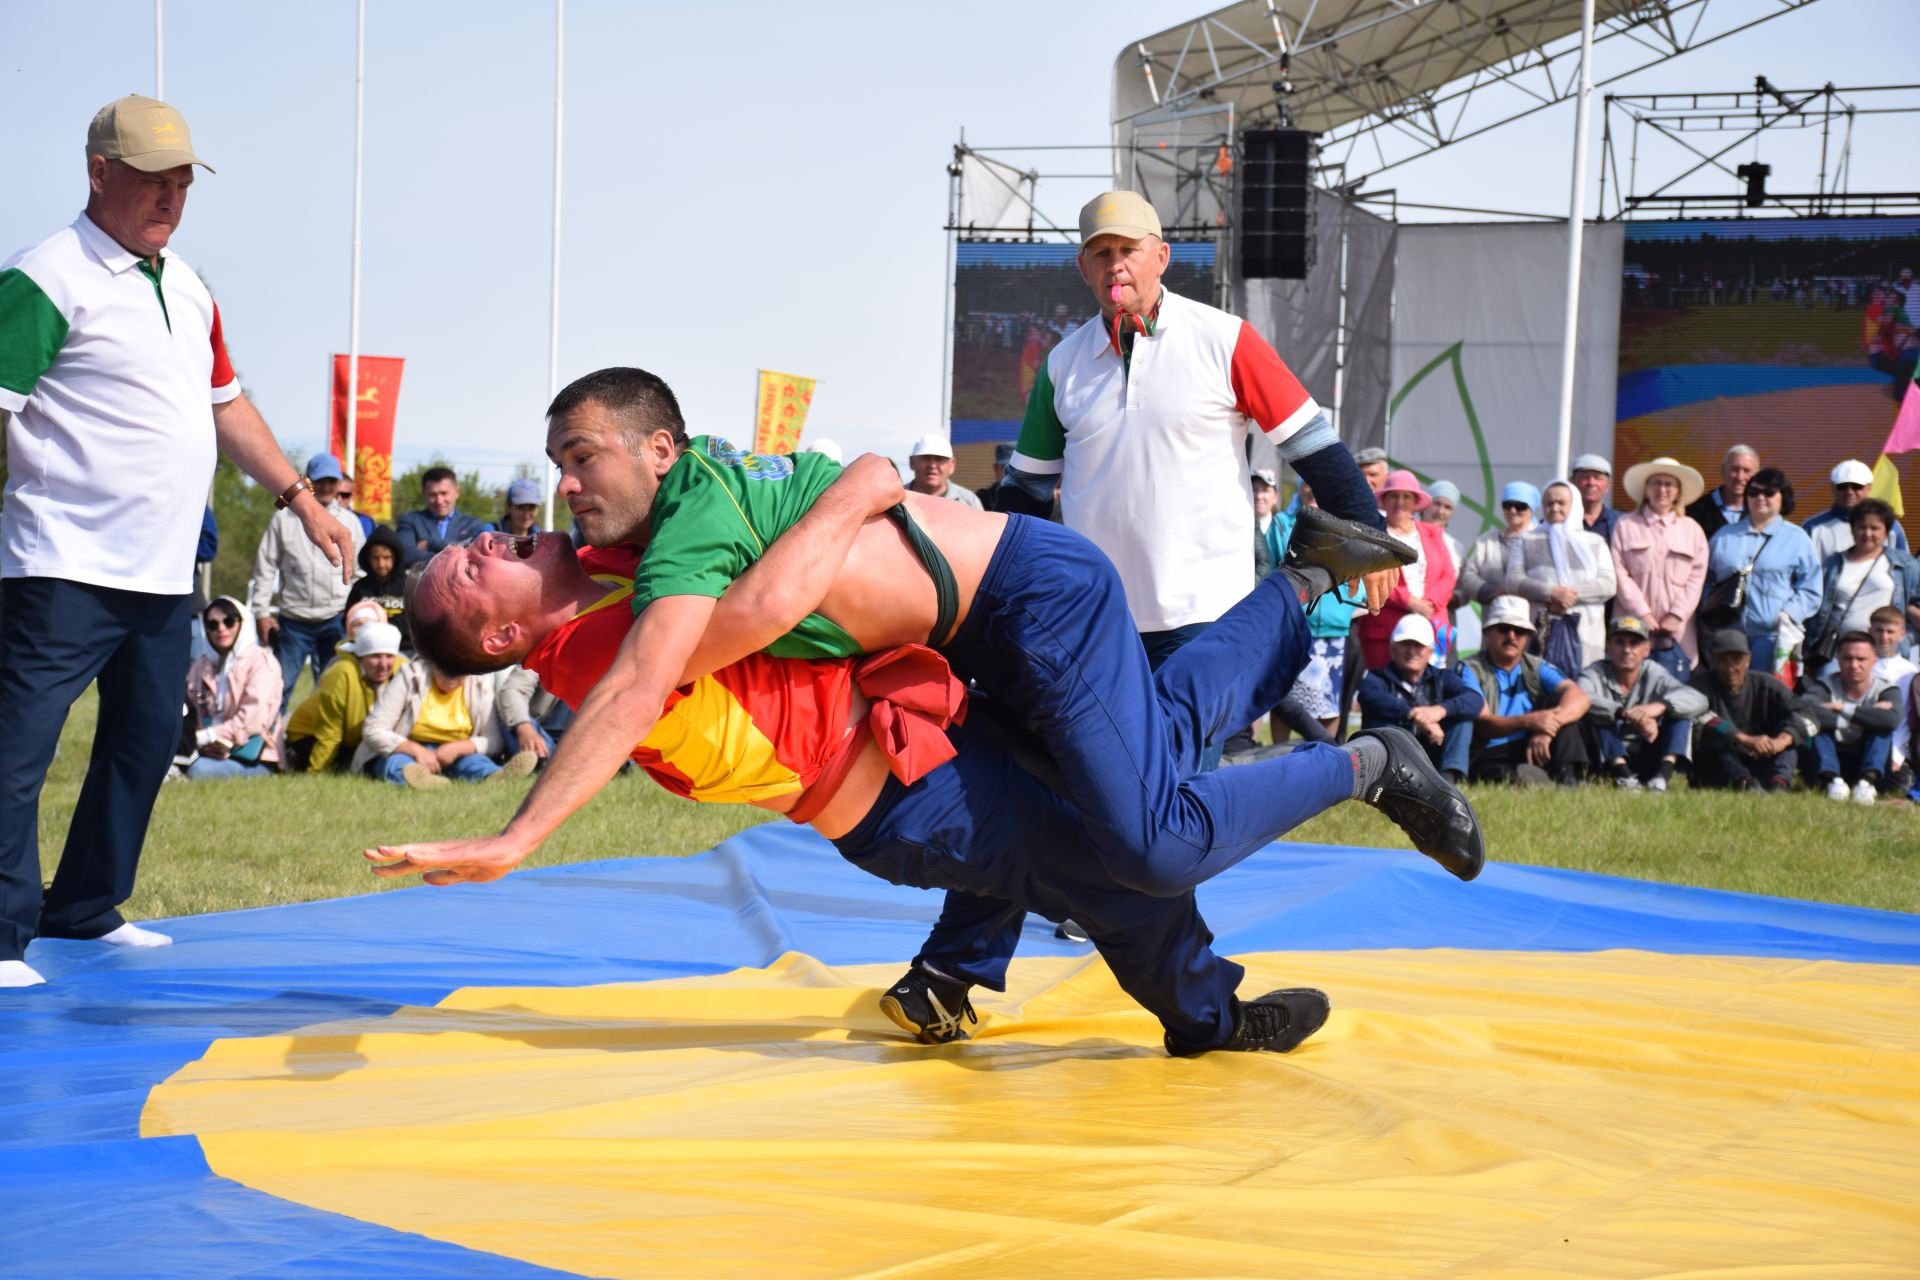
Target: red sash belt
pixel 914 696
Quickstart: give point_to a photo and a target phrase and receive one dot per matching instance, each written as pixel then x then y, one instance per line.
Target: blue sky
pixel 747 184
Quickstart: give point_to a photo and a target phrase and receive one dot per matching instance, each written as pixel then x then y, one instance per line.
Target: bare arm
pixel 793 577
pixel 620 712
pixel 245 437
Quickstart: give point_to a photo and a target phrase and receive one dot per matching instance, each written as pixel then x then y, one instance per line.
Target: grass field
pixel 1763 332
pixel 223 846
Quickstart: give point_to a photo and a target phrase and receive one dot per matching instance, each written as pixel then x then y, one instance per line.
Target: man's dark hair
pixel 1871 507
pixel 1854 637
pixel 441 637
pixel 1775 479
pixel 638 401
pixel 434 475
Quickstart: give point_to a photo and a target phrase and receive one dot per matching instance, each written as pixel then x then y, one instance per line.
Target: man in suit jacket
pixel 423 533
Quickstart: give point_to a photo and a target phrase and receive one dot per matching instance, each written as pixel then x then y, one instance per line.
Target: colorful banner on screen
pixel 377 400
pixel 780 411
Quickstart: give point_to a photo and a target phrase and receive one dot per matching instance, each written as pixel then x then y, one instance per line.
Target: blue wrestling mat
pixel 677 1067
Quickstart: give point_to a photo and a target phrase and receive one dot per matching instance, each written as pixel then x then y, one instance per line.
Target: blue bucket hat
pixel 1520 491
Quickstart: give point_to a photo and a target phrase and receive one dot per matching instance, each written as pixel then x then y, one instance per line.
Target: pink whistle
pixel 1115 292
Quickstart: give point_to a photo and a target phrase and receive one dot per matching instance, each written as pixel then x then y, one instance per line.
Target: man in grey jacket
pixel 1640 723
pixel 312 594
pixel 1857 711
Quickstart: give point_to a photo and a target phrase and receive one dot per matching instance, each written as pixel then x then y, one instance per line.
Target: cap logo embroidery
pixel 165 128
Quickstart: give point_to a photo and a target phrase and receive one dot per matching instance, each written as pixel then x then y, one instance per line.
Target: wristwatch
pixel 292 491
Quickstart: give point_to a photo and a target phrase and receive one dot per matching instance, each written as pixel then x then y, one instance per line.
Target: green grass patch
pixel 228 845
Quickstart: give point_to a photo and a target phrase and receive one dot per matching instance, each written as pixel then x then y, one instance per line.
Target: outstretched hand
pixel 471 861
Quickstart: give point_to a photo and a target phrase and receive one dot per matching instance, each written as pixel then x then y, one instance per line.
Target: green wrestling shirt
pixel 717 511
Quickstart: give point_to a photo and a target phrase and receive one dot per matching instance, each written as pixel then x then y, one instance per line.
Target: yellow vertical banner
pixel 780 411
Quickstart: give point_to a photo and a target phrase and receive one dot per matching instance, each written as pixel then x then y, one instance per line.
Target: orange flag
pixel 378 395
pixel 780 411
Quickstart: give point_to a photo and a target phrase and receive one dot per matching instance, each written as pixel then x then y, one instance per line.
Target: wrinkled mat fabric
pixel 658 1067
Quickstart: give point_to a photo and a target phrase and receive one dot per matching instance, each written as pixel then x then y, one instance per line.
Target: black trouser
pixel 1497 764
pixel 55 638
pixel 1717 764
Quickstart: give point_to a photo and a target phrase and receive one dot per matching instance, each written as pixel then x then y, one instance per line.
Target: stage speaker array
pixel 1276 203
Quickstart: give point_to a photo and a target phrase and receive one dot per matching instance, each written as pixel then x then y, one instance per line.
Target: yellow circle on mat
pixel 1487 1114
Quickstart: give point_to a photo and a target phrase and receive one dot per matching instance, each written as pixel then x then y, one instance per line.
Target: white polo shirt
pixel 1152 452
pixel 110 370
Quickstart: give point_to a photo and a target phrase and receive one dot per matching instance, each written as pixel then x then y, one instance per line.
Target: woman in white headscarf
pixel 234 695
pixel 1568 570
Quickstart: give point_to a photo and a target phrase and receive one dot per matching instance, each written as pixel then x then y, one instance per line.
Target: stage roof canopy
pixel 1384 81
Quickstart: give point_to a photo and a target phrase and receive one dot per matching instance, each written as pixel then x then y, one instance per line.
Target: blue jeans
pixel 56 637
pixel 1872 754
pixel 296 643
pixel 1642 757
pixel 1674 659
pixel 208 769
pixel 1456 746
pixel 473 768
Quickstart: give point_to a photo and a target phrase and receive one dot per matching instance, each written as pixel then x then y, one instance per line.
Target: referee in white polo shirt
pixel 116 390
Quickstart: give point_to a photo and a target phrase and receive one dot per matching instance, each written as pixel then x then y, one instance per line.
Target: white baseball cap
pixel 931 447
pixel 1509 611
pixel 1852 471
pixel 1265 475
pixel 1412 627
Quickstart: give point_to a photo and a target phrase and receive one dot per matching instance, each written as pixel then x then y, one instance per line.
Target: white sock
pixel 18 973
pixel 132 935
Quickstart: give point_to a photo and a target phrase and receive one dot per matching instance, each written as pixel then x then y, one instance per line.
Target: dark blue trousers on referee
pixel 56 637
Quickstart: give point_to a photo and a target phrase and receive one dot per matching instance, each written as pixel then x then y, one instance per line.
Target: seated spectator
pixel 426 728
pixel 1857 713
pixel 324 730
pixel 517 700
pixel 1751 730
pixel 383 568
pixel 1888 627
pixel 1436 705
pixel 358 615
pixel 1569 573
pixel 1782 589
pixel 1526 731
pixel 438 523
pixel 1426 585
pixel 234 694
pixel 1485 572
pixel 1871 574
pixel 1832 529
pixel 1640 718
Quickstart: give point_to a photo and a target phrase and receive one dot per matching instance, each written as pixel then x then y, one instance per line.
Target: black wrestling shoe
pixel 1344 549
pixel 1434 814
pixel 928 1008
pixel 1275 1023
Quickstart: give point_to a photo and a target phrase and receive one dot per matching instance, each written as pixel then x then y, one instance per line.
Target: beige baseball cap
pixel 142 132
pixel 1118 213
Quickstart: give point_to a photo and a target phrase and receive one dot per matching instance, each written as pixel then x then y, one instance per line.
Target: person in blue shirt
pixel 1783 574
pixel 1529 727
pixel 437 524
pixel 1437 705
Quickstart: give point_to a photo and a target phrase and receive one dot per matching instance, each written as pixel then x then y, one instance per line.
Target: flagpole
pixel 352 460
pixel 159 50
pixel 1576 224
pixel 553 270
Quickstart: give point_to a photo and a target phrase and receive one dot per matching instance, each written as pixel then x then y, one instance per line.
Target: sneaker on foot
pixel 1275 1023
pixel 18 973
pixel 929 1009
pixel 1836 789
pixel 1779 786
pixel 1656 783
pixel 1865 792
pixel 518 765
pixel 1435 815
pixel 1630 783
pixel 421 778
pixel 132 935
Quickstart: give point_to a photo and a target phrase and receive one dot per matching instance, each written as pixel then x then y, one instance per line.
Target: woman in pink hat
pixel 1425 585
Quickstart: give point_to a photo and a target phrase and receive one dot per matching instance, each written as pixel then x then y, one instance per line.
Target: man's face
pixel 378 668
pixel 1266 499
pixel 1856 665
pixel 439 498
pixel 1627 652
pixel 1887 637
pixel 1376 474
pixel 325 491
pixel 139 210
pixel 930 472
pixel 1735 472
pixel 1518 516
pixel 1505 644
pixel 1731 669
pixel 496 579
pixel 1441 512
pixel 1593 486
pixel 1134 265
pixel 1847 496
pixel 380 560
pixel 608 486
pixel 344 494
pixel 1411 657
pixel 1556 504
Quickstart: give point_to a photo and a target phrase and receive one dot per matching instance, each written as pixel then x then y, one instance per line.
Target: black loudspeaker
pixel 1276 203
